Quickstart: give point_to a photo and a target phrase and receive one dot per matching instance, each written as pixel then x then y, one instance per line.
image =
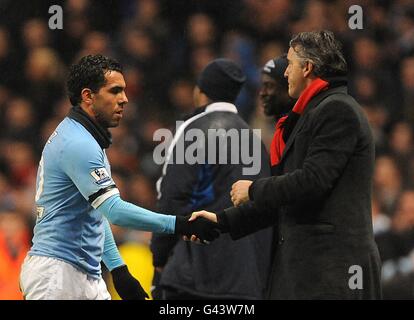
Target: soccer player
pixel 76 197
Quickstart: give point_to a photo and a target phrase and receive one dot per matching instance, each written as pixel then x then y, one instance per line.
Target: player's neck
pixel 89 111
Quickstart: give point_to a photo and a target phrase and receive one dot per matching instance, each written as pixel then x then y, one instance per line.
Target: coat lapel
pixel 314 102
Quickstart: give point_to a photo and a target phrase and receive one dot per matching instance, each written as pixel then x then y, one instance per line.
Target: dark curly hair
pixel 89 72
pixel 322 50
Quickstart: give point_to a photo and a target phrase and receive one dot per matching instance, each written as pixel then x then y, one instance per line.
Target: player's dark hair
pixel 322 50
pixel 89 73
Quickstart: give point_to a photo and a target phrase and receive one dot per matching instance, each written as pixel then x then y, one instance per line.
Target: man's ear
pixel 307 69
pixel 87 96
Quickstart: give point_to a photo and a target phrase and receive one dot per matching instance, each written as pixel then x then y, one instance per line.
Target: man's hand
pixel 240 192
pixel 204 214
pixel 126 285
pixel 202 228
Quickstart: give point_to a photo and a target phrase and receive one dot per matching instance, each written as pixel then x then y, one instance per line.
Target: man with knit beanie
pixel 224 269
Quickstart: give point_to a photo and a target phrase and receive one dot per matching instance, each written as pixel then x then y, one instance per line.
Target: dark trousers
pixel 176 294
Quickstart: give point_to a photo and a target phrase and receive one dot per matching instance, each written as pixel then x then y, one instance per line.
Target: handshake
pixel 200 226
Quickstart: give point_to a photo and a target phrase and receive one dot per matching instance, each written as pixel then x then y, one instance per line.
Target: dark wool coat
pixel 319 204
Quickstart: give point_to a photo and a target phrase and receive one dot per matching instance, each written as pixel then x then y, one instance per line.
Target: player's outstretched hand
pixel 126 285
pixel 204 214
pixel 202 228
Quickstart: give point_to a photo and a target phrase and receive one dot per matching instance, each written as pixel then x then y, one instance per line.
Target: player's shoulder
pixel 74 138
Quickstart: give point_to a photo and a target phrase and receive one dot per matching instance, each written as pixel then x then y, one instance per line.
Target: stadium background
pixel 163 45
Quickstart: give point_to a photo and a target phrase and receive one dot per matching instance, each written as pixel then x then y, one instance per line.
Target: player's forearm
pixel 111 256
pixel 125 214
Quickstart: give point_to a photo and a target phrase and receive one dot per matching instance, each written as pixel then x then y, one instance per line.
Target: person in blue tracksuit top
pixel 76 197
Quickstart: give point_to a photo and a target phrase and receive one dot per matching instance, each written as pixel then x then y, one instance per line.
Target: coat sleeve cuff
pixel 235 220
pixel 256 188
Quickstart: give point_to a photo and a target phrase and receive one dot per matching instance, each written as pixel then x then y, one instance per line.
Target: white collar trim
pixel 221 106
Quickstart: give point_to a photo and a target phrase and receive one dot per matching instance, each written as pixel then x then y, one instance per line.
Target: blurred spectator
pixel 14 244
pixel 378 119
pixel 35 34
pixel 95 42
pixel 123 150
pixel 197 40
pixel 407 81
pixel 201 31
pixel 397 251
pixel 7 201
pixel 365 87
pixel 43 80
pixel 378 22
pixel 140 191
pixel 387 183
pixel 401 148
pixel 267 20
pixel 199 58
pixel 405 28
pixel 140 49
pixel 21 164
pixel 315 17
pixel 76 26
pixel 8 63
pixel 181 97
pixel 381 222
pixel 147 145
pixel 404 216
pixel 368 58
pixel 19 122
pixel 61 108
pixel 241 50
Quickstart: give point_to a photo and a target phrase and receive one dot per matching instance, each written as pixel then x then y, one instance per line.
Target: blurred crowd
pixel 163 45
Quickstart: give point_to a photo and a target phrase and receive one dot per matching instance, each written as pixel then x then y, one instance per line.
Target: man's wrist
pixel 250 191
pixel 223 222
pixel 180 222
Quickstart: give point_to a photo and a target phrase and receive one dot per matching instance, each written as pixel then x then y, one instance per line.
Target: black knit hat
pixel 221 80
pixel 275 69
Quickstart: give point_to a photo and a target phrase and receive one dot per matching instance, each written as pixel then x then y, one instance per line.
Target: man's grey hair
pixel 322 50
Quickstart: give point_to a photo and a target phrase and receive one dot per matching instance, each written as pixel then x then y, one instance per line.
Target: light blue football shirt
pixel 73 180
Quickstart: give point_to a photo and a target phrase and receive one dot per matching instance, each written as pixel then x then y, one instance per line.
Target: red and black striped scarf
pixel 285 125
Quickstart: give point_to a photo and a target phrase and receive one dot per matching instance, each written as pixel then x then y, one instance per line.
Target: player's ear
pixel 87 95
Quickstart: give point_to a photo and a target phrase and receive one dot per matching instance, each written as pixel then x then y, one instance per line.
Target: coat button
pixel 281 240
